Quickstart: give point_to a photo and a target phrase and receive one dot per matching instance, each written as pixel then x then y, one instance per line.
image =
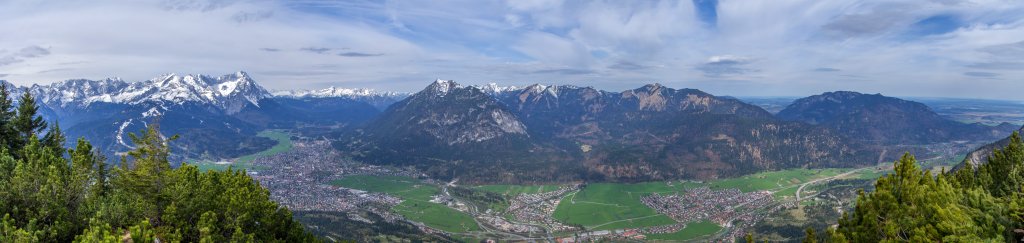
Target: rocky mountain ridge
pixel 551 132
pixel 885 120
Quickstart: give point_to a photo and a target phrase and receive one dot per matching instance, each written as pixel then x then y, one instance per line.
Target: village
pixel 305 186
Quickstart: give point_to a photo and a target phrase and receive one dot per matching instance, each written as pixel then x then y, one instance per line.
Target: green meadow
pixel 284 144
pixel 617 206
pixel 614 206
pixel 416 205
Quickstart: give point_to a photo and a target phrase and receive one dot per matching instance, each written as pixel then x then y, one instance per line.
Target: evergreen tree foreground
pixel 973 204
pixel 49 193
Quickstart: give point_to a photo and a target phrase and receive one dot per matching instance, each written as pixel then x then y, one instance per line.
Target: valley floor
pixel 309 176
pixel 671 210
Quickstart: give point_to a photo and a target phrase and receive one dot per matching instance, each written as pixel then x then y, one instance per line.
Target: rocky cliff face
pixel 980 155
pixel 549 133
pixel 455 131
pixel 655 132
pixel 450 114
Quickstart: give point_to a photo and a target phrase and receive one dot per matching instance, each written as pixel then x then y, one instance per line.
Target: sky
pixel 932 48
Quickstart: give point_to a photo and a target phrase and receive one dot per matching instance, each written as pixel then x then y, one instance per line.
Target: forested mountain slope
pixel 878 119
pixel 568 133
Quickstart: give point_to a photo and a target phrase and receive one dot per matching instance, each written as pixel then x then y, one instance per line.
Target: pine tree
pixel 27 122
pixel 208 231
pixel 810 237
pixel 910 205
pixel 8 137
pixel 148 171
pixel 55 139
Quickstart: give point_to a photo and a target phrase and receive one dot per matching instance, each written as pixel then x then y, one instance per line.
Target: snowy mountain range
pixel 229 92
pixel 334 92
pixel 218 116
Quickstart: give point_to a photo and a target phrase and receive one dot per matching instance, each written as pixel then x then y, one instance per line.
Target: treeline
pixel 973 204
pixel 49 193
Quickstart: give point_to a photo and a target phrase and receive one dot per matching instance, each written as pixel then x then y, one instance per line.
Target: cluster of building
pixel 445 199
pixel 730 207
pixel 538 208
pixel 299 179
pixel 664 229
pixel 745 221
pixel 296 179
pixel 627 235
pixel 504 225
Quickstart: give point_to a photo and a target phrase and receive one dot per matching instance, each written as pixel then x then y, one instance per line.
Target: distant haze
pixel 922 48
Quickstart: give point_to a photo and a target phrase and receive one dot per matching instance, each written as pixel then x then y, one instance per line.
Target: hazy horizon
pixel 913 48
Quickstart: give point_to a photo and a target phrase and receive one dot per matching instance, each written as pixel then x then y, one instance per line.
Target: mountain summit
pixel 449 113
pixel 884 120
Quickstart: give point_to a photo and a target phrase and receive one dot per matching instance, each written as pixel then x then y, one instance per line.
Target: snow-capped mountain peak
pixel 333 92
pixel 494 89
pixel 229 92
pixel 441 87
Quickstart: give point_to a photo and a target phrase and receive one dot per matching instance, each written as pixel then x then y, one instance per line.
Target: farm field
pixel 417 206
pixel 436 216
pixel 402 187
pixel 284 143
pixel 773 180
pixel 617 206
pixel 612 206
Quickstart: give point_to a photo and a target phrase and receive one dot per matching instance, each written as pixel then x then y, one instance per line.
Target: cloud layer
pixel 963 48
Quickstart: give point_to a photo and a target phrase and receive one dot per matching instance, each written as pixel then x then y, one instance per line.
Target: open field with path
pixel 416 205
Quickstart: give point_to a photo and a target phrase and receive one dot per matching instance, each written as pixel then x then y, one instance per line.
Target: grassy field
pixel 417 206
pixel 773 180
pixel 512 190
pixel 598 206
pixel 436 216
pixel 871 173
pixel 284 143
pixel 614 206
pixel 691 232
pixel 403 187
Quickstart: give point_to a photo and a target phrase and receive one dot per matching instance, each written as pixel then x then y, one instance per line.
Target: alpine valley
pixel 457 162
pixel 525 121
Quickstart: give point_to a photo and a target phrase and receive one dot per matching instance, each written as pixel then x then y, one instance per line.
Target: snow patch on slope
pixel 120 134
pixel 152 112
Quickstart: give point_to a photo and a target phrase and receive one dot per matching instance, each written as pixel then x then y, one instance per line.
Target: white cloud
pixel 777 47
pixel 23 54
pixel 553 49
